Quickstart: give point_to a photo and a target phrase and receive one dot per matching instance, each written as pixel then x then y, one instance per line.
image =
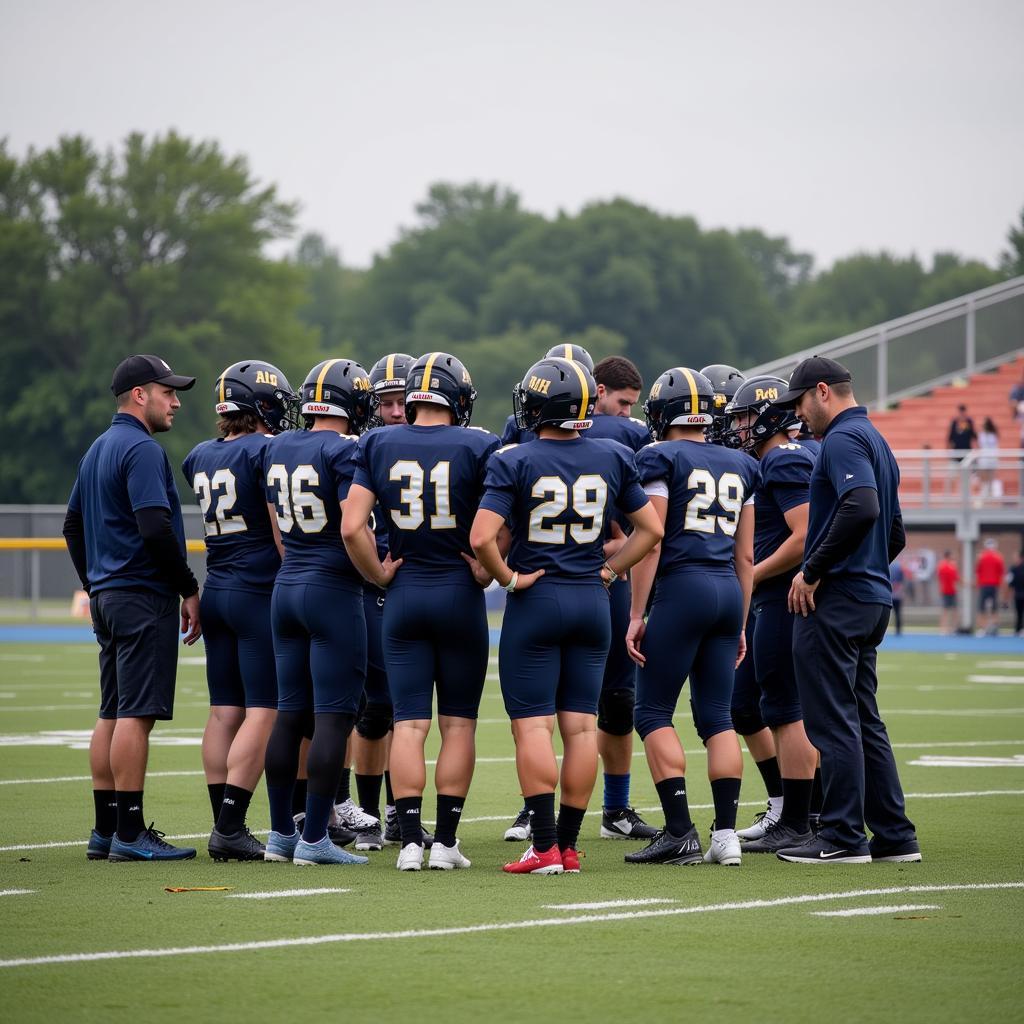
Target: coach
pixel 844 597
pixel 125 534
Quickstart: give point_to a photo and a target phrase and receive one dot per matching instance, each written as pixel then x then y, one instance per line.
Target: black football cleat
pixel 666 848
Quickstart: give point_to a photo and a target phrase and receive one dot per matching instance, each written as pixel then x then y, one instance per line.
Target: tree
pixel 1011 261
pixel 156 248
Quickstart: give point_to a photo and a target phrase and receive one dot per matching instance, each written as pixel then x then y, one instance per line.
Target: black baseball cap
pixel 808 374
pixel 135 371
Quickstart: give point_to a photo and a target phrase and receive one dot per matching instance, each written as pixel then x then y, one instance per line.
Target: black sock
pixel 726 795
pixel 299 796
pixel 817 793
pixel 368 788
pixel 344 786
pixel 796 803
pixel 389 796
pixel 130 821
pixel 570 821
pixel 324 762
pixel 542 821
pixel 769 769
pixel 233 810
pixel 449 811
pixel 409 810
pixel 672 793
pixel 216 791
pixel 105 804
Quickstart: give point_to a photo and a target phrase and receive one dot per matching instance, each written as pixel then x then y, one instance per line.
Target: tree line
pixel 160 246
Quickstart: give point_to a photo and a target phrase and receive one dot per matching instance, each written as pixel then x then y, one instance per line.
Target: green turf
pixel 959 961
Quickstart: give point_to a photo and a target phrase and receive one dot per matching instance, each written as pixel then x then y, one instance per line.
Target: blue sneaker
pixel 280 848
pixel 148 845
pixel 323 852
pixel 99 846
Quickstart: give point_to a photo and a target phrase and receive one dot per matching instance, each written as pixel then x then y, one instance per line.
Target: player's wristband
pixel 510 587
pixel 615 575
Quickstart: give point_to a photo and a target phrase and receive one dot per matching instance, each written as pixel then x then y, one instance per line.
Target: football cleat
pixel 820 851
pixel 778 837
pixel 625 823
pixel 280 848
pixel 240 845
pixel 324 852
pixel 352 816
pixel 764 821
pixel 520 830
pixel 340 835
pixel 724 848
pixel 148 845
pixel 410 858
pixel 533 863
pixel 907 852
pixel 370 838
pixel 99 846
pixel 447 858
pixel 666 848
pixel 571 860
pixel 393 832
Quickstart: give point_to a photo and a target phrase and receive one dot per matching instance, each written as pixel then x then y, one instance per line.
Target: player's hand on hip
pixel 634 637
pixel 741 652
pixel 390 566
pixel 801 595
pixel 480 574
pixel 527 579
pixel 190 625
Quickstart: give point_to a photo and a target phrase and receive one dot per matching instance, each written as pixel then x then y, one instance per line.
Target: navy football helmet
pixel 260 388
pixel 440 379
pixel 726 379
pixel 555 392
pixel 577 353
pixel 338 387
pixel 755 396
pixel 387 374
pixel 680 397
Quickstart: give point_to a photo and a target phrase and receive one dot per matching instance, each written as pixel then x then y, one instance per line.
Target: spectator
pixel 989 574
pixel 962 435
pixel 898 578
pixel 988 460
pixel 1015 581
pixel 1017 406
pixel 948 576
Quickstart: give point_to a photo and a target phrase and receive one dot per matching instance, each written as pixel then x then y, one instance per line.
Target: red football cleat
pixel 571 860
pixel 533 863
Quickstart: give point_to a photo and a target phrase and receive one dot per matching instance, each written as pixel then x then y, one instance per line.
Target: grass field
pixel 614 942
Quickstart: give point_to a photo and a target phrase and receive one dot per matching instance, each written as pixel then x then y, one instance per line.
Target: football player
pixel 253 401
pixel 427 477
pixel 317 609
pixel 725 380
pixel 514 434
pixel 781 506
pixel 701 577
pixel 556 495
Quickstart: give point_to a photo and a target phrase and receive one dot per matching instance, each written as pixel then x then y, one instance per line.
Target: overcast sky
pixel 872 125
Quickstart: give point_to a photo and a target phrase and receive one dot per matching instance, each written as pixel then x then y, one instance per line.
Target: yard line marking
pixel 960 743
pixel 499 926
pixel 1011 680
pixel 605 905
pixel 950 712
pixel 280 893
pixel 940 761
pixel 82 842
pixel 84 778
pixel 92 707
pixel 1001 664
pixel 868 911
pixel 16 892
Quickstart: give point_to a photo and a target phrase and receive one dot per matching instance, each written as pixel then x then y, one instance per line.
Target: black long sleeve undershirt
pixel 852 522
pixel 74 537
pixel 897 538
pixel 162 546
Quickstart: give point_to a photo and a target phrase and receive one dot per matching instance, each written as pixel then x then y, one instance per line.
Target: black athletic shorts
pixel 137 631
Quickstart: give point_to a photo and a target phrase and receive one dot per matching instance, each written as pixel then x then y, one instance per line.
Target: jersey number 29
pixel 727 489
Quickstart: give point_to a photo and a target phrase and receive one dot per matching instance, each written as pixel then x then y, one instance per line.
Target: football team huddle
pixel 346 569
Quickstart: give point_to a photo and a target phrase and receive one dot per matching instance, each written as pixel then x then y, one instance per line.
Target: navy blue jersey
pixel 308 474
pixel 811 445
pixel 513 434
pixel 227 477
pixel 854 454
pixel 707 487
pixel 556 497
pixel 624 429
pixel 124 471
pixel 783 483
pixel 428 481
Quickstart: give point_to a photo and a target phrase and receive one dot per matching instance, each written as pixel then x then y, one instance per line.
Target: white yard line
pixel 873 911
pixel 16 892
pixel 1008 680
pixel 282 893
pixel 605 905
pixel 498 926
pixel 84 778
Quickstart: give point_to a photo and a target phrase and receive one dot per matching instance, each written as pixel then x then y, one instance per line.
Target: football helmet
pixel 577 353
pixel 338 387
pixel 260 388
pixel 387 374
pixel 555 392
pixel 755 396
pixel 440 379
pixel 726 379
pixel 680 397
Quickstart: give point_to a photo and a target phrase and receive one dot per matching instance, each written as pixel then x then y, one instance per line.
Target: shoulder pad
pixel 505 448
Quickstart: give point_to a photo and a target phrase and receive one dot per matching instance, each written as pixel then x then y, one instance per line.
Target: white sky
pixel 881 124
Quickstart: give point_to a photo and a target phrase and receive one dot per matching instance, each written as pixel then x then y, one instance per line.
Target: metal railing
pixel 914 354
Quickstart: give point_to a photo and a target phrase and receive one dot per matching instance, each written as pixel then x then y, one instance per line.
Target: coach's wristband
pixel 511 585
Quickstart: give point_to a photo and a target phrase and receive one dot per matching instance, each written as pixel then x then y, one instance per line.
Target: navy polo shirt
pixel 854 454
pixel 123 471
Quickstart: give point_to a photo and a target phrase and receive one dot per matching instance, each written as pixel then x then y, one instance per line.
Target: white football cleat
pixel 764 821
pixel 724 849
pixel 410 858
pixel 447 858
pixel 352 816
